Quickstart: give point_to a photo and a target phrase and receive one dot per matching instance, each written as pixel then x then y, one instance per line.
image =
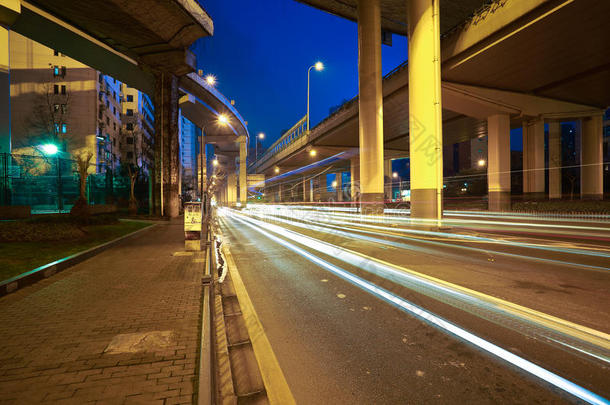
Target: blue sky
pixel 260 53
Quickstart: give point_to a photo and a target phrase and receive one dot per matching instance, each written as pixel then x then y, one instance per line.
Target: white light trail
pixel 441 323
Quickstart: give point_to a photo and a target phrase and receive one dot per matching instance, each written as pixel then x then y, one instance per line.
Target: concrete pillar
pixel 339 188
pixel 554 160
pixel 370 104
pixel 425 109
pixel 533 160
pixel 231 188
pixel 354 166
pixel 387 178
pixel 5 93
pixel 591 158
pixel 202 178
pixel 307 190
pixel 498 162
pixel 166 201
pixel 243 177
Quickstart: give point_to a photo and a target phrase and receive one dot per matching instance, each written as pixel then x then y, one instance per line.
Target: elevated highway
pixel 505 64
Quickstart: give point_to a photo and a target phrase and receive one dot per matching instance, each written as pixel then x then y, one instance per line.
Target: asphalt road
pixel 538 292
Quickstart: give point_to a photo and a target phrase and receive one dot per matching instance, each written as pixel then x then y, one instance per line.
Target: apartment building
pixel 55 98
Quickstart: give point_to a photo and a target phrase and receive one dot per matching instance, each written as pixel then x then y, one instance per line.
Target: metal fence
pixel 51 184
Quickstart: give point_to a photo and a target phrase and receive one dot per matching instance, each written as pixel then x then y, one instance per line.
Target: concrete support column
pixel 591 159
pixel 5 92
pixel 554 160
pixel 202 178
pixel 533 160
pixel 307 190
pixel 243 177
pixel 425 109
pixel 166 201
pixel 387 174
pixel 279 193
pixel 370 104
pixel 339 187
pixel 498 165
pixel 231 188
pixel 354 166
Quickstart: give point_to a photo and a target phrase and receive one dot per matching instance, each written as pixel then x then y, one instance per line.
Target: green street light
pixel 49 149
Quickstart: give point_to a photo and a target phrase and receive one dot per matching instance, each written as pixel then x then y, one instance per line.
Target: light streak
pixel 432 286
pixel 442 324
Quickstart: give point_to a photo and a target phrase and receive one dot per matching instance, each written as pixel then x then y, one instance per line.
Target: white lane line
pixel 441 323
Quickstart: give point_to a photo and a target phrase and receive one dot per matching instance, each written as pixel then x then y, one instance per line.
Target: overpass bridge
pixel 143 43
pixel 507 64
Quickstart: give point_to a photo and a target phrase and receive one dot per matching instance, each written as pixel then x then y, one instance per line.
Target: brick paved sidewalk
pixel 55 336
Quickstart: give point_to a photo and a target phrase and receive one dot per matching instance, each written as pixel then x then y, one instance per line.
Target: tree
pixel 81 207
pixel 135 167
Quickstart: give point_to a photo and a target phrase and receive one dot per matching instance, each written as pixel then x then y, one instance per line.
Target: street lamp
pixel 318 66
pixel 50 149
pixel 277 170
pixel 481 162
pixel 260 136
pixel 313 153
pixel 210 79
pixel 396 176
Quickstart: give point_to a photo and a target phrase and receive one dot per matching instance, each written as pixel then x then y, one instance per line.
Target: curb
pixel 47 270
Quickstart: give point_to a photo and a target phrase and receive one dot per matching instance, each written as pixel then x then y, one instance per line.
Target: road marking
pixel 276 386
pixel 441 323
pixel 581 332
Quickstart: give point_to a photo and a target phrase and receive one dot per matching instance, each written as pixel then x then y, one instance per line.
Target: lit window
pixel 64 128
pixel 57 128
pixel 130 97
pixel 64 108
pixel 129 112
pixel 56 107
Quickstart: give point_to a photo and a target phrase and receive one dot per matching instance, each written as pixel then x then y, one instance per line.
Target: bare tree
pixel 136 167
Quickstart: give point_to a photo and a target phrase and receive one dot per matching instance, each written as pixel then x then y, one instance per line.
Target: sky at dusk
pixel 260 53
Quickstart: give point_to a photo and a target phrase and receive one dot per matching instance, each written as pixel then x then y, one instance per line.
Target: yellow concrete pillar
pixel 534 180
pixel 554 160
pixel 354 165
pixel 231 189
pixel 307 197
pixel 5 93
pixel 243 176
pixel 339 187
pixel 591 159
pixel 498 162
pixel 425 109
pixel 370 104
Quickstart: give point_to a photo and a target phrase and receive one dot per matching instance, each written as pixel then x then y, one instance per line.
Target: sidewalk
pixel 119 328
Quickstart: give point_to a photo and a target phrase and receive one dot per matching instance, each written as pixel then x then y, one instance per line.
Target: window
pixel 130 97
pixel 56 128
pixel 64 108
pixel 63 71
pixel 129 126
pixel 114 110
pixel 113 141
pixel 130 141
pixel 55 89
pixel 56 107
pixel 129 112
pixel 64 128
pixel 129 155
pixel 114 126
pixel 114 94
pixel 63 89
pixel 55 71
pixel 55 52
pixel 107 121
pixel 100 116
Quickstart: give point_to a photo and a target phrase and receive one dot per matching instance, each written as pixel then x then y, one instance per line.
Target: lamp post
pixel 50 149
pixel 260 136
pixel 395 175
pixel 221 120
pixel 318 66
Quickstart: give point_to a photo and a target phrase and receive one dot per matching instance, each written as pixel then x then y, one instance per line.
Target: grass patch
pixel 19 257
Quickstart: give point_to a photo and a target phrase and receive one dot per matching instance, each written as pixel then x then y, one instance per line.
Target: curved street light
pixel 318 66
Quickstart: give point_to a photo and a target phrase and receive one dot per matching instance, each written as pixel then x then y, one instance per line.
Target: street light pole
pixel 318 66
